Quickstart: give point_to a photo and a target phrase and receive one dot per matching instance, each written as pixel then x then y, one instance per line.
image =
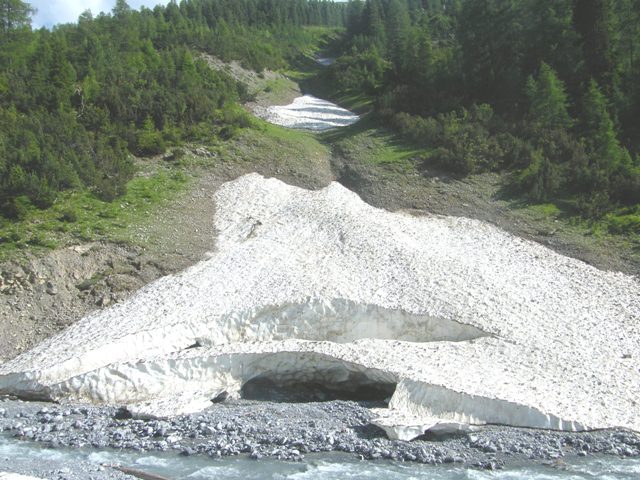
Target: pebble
pixel 288 431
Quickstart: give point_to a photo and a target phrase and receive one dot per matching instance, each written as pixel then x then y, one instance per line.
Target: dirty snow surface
pixel 471 324
pixel 308 113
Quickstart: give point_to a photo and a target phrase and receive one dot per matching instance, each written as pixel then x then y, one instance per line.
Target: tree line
pixel 77 101
pixel 545 89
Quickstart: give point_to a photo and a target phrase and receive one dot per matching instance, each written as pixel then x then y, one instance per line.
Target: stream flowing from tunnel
pixel 316 466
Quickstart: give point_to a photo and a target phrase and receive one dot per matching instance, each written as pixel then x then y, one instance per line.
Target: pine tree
pixel 14 15
pixel 490 33
pixel 121 9
pixel 597 126
pixel 373 24
pixel 547 100
pixel 397 28
pixel 541 179
pixel 418 61
pixel 354 18
pixel 592 21
pixel 608 163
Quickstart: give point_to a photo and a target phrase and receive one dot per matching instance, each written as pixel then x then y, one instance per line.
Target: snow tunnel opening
pixel 322 388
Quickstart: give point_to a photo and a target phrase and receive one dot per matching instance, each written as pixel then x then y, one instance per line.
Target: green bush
pixel 540 180
pixel 11 236
pixel 623 224
pixel 425 131
pixel 149 141
pixel 176 155
pixel 114 169
pixel 69 215
pixel 17 208
pixel 463 141
pixel 594 205
pixel 40 240
pixel 236 116
pixel 468 142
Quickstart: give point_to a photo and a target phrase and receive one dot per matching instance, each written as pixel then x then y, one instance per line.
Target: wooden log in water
pixel 138 473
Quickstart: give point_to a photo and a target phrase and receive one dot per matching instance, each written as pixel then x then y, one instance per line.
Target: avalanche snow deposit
pixel 471 325
pixel 308 113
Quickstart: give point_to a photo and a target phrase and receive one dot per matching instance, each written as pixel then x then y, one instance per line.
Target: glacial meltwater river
pixel 320 467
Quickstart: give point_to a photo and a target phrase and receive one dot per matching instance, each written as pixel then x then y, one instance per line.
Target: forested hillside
pixel 545 89
pixel 77 101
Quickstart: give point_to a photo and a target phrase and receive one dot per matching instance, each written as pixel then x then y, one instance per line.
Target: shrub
pixel 425 131
pixel 593 205
pixel 541 179
pixel 623 224
pixel 236 116
pixel 468 140
pixel 17 208
pixel 463 140
pixel 40 240
pixel 148 140
pixel 114 169
pixel 69 215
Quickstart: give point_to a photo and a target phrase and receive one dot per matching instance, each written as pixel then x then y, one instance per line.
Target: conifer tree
pixel 372 17
pixel 354 18
pixel 598 129
pixel 397 28
pixel 547 100
pixel 592 21
pixel 541 179
pixel 14 15
pixel 609 164
pixel 121 9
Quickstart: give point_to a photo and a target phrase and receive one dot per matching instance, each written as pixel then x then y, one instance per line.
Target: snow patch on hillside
pixel 473 324
pixel 308 113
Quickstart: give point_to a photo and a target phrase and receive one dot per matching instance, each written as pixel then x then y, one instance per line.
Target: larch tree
pixel 14 16
pixel 548 100
pixel 592 21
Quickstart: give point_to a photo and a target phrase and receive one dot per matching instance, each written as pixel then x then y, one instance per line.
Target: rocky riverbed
pixel 289 431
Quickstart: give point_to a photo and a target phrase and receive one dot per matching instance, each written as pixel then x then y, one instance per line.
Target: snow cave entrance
pixel 298 377
pixel 323 387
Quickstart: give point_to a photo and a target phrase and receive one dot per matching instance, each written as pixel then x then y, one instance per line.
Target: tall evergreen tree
pixel 122 9
pixel 609 164
pixel 547 100
pixel 598 128
pixel 592 21
pixel 354 18
pixel 397 29
pixel 14 14
pixel 490 33
pixel 374 25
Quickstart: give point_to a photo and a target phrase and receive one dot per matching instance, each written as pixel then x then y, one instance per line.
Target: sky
pixel 51 12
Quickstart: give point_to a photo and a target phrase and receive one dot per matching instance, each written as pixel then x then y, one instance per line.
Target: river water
pixel 318 467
